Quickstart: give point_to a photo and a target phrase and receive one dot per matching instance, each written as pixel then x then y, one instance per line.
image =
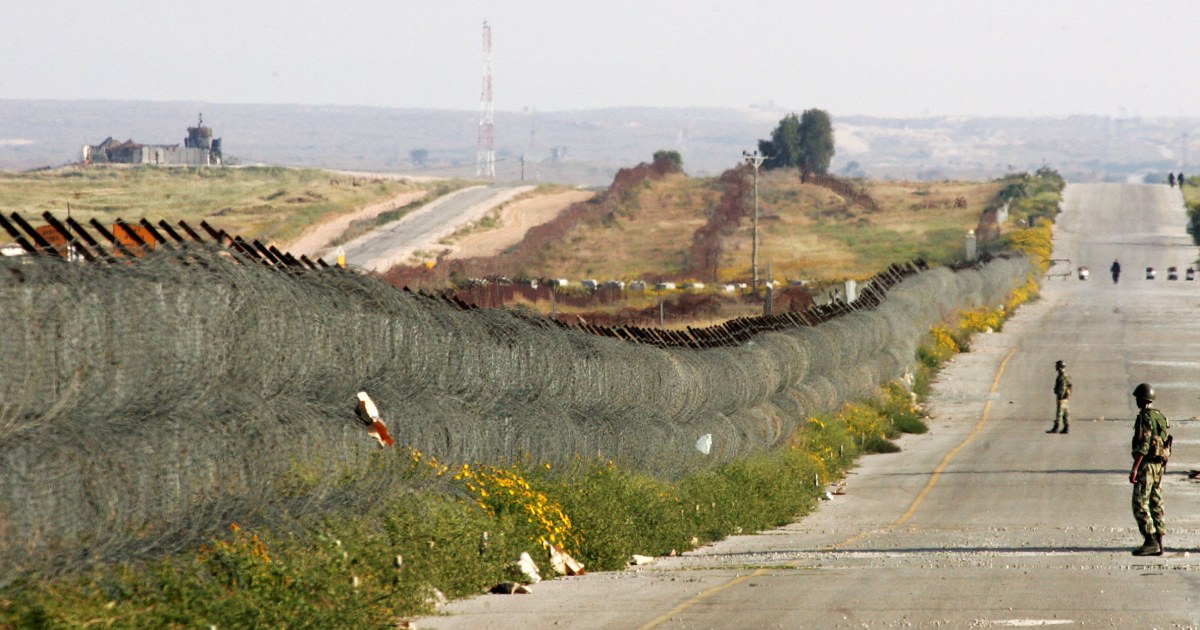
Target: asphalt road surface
pixel 986 521
pixel 394 243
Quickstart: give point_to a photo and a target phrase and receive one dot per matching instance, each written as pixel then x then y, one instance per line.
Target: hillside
pixel 652 229
pixel 808 232
pixel 649 225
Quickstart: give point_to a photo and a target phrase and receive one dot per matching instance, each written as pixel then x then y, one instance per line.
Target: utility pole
pixel 755 160
pixel 769 303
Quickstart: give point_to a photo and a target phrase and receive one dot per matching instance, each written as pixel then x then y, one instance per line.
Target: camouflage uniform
pixel 1147 491
pixel 1062 392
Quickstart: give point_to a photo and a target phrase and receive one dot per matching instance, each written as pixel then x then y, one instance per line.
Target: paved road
pixel 986 521
pixel 395 242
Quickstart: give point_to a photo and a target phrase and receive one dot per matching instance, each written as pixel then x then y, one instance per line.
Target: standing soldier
pixel 1171 179
pixel 1062 393
pixel 1151 449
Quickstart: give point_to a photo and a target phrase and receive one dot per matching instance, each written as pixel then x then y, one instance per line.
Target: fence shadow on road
pixel 777 556
pixel 1060 471
pixel 1010 550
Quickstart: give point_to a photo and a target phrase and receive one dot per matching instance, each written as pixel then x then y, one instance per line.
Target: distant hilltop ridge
pixel 588 147
pixel 199 149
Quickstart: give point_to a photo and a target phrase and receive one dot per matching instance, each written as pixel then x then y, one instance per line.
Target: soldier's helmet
pixel 1058 365
pixel 1144 392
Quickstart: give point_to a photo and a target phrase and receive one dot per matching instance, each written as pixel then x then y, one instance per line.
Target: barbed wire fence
pixel 148 403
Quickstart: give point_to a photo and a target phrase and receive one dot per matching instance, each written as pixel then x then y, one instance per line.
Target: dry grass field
pixel 805 231
pixel 266 203
pixel 647 237
pixel 808 233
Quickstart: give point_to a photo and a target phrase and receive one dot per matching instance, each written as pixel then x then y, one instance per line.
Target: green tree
pixel 783 149
pixel 670 156
pixel 804 142
pixel 816 142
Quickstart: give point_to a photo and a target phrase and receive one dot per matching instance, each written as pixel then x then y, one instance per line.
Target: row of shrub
pixel 1191 201
pixel 1032 196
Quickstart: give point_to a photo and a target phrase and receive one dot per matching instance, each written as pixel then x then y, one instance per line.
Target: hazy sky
pixel 888 58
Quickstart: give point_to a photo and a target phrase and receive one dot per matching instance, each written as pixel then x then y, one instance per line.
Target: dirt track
pixel 314 241
pixel 515 220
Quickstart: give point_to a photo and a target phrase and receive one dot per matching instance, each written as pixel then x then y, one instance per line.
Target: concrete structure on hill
pixel 199 149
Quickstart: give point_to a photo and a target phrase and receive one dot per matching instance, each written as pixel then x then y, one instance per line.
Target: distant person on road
pixel 1171 179
pixel 1062 393
pixel 1151 449
pixel 1116 271
pixel 1180 180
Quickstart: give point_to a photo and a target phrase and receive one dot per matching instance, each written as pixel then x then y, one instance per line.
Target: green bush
pixel 619 513
pixel 897 404
pixel 341 572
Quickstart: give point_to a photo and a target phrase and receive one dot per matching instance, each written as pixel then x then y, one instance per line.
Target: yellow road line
pixel 700 596
pixel 937 472
pixel 912 509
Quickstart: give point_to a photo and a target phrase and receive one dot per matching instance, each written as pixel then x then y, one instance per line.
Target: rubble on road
pixel 511 588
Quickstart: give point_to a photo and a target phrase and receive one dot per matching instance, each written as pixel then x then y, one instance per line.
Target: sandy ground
pixel 515 220
pixel 314 241
pixel 422 230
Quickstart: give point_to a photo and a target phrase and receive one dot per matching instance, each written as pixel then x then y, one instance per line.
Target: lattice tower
pixel 485 150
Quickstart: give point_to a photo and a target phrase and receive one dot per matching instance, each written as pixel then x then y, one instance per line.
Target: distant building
pixel 199 148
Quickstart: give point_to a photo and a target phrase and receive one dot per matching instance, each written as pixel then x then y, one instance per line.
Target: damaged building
pixel 199 148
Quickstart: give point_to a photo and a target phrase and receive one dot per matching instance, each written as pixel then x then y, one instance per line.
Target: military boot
pixel 1053 429
pixel 1065 428
pixel 1149 547
pixel 1158 539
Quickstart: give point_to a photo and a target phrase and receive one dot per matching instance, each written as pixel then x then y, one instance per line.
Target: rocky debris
pixel 637 560
pixel 511 588
pixel 562 562
pixel 529 568
pixel 369 414
pixel 436 598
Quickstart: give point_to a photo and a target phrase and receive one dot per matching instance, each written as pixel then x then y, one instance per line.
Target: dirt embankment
pixel 706 243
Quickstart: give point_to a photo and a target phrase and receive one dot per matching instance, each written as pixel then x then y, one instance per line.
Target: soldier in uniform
pixel 1151 448
pixel 1062 393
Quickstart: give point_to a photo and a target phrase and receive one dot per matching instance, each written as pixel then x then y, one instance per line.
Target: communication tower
pixel 485 149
